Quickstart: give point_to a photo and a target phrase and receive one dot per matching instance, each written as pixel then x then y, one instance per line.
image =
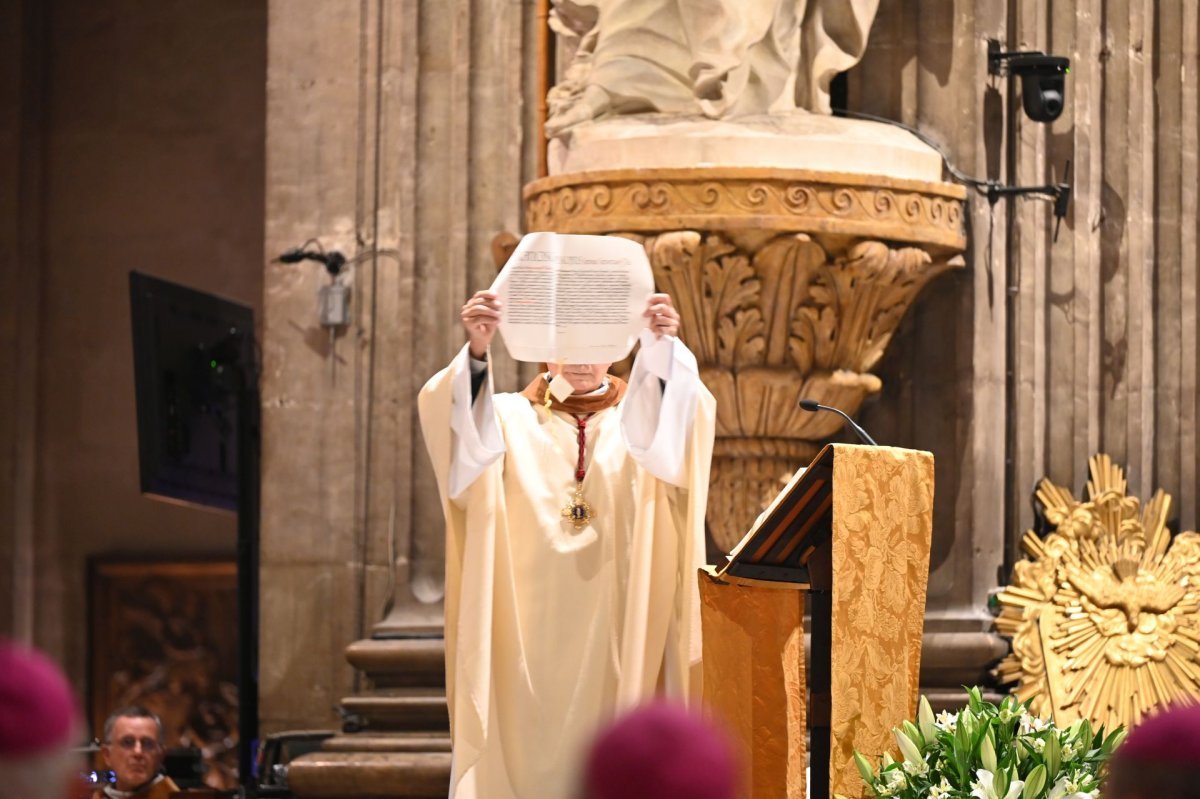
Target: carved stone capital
pixel 789 284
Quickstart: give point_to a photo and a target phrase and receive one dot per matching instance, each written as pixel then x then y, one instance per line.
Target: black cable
pixel 1059 194
pixel 955 172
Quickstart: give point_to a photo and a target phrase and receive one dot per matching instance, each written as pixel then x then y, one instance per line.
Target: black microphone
pixel 294 256
pixel 333 260
pixel 812 406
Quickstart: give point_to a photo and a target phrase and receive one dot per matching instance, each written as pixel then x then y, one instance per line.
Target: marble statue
pixel 715 58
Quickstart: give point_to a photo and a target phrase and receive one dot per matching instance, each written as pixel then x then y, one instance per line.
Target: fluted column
pixel 395 134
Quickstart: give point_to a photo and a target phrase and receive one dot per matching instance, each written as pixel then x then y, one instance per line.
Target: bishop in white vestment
pixel 574 532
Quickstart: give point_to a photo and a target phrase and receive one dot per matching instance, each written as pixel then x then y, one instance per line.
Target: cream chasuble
pixel 551 630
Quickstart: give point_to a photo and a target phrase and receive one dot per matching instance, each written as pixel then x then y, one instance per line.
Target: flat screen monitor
pixel 188 348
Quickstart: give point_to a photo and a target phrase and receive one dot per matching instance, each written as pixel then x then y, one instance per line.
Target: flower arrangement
pixel 987 751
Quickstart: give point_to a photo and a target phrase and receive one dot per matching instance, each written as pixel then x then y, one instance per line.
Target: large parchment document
pixel 573 299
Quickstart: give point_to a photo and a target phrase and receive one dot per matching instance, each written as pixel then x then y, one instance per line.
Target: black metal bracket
pixel 1010 62
pixel 1058 193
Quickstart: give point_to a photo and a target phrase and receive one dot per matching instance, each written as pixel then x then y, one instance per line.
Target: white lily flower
pixel 1067 788
pixel 891 783
pixel 907 748
pixel 940 791
pixel 984 786
pixel 1030 724
pixel 946 721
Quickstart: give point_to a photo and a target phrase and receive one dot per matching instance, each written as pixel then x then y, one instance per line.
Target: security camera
pixel 1043 84
pixel 1043 80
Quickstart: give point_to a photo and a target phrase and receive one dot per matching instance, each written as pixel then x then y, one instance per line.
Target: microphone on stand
pixel 333 260
pixel 813 406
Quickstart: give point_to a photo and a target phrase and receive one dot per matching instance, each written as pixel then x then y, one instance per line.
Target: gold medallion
pixel 578 512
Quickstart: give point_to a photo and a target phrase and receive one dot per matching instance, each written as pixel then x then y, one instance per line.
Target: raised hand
pixel 661 316
pixel 480 317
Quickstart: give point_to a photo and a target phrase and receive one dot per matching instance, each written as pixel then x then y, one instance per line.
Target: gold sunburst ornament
pixel 1104 614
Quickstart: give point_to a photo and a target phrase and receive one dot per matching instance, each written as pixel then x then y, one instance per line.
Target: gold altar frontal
pixel 867 573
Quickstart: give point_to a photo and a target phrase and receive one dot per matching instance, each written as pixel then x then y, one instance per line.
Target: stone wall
pixel 130 138
pixel 396 126
pixel 1045 352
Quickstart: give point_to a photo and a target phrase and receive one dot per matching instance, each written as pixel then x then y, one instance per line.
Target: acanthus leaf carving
pixel 786 286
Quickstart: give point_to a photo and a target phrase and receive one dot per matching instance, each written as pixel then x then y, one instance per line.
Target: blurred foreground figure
pixel 38 724
pixel 661 752
pixel 1160 759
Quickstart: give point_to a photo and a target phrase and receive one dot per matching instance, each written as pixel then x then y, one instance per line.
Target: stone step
pixel 357 775
pixel 400 662
pixel 401 709
pixel 389 742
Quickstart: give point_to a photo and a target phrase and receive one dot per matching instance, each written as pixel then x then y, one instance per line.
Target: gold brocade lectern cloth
pixel 882 517
pixel 882 525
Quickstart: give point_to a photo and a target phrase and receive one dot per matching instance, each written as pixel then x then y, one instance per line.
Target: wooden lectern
pixel 852 531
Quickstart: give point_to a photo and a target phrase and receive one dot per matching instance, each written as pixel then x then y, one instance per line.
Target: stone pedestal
pixel 398 739
pixel 790 280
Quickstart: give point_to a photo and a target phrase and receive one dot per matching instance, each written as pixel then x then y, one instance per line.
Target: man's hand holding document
pixel 572 299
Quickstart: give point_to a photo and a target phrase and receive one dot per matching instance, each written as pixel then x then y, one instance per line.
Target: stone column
pixel 22 96
pixel 396 135
pixel 1104 319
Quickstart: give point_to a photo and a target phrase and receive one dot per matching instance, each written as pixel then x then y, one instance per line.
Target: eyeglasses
pixel 130 742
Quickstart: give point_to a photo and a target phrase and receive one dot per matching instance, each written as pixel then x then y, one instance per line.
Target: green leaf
pixel 962 737
pixel 961 744
pixel 966 721
pixel 1001 783
pixel 1034 783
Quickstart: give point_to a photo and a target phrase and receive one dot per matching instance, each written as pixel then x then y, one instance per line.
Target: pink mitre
pixel 661 752
pixel 37 708
pixel 1171 737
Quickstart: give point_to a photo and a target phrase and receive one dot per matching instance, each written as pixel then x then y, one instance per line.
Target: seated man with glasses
pixel 133 749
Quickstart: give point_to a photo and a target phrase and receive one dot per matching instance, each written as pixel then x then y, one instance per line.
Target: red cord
pixel 581 423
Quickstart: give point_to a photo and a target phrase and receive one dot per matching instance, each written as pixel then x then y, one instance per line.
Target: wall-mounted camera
pixel 1043 79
